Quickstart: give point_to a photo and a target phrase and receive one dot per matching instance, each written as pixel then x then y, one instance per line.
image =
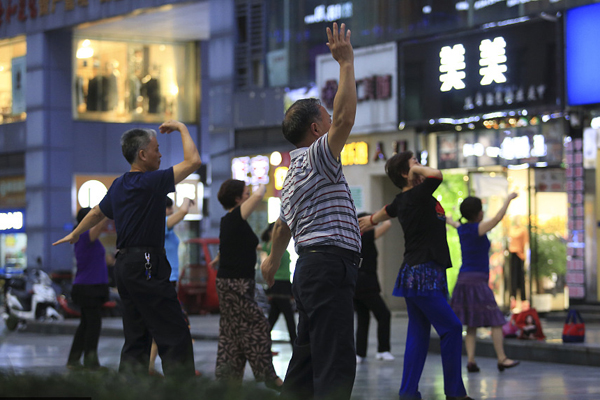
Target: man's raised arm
pixel 344 103
pixel 191 158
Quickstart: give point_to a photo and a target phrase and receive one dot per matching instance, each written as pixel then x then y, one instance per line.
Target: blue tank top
pixel 475 249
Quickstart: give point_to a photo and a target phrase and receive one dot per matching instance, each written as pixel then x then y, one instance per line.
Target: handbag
pixel 574 329
pixel 510 329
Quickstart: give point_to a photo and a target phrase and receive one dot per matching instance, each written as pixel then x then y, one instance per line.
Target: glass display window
pixel 12 80
pixel 120 81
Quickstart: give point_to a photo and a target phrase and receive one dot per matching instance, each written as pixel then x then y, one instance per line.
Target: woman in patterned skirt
pixel 473 301
pixel 244 332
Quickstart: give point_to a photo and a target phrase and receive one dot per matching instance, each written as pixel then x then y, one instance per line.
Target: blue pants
pixel 424 311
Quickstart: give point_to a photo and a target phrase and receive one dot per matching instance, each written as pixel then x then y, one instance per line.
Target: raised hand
pixel 338 41
pixel 169 126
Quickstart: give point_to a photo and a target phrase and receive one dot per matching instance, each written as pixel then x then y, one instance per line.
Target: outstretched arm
pixel 191 158
pixel 90 220
pixel 382 229
pixel 488 225
pixel 281 237
pixel 97 229
pixel 178 215
pixel 368 222
pixel 253 201
pixel 344 103
pixel 450 221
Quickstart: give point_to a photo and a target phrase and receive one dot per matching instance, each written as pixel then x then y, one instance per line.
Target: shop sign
pixel 355 153
pixel 12 191
pixel 333 12
pixel 262 170
pixel 499 69
pixel 279 177
pixel 576 219
pixel 21 10
pixel 12 221
pixel 252 170
pixel 376 86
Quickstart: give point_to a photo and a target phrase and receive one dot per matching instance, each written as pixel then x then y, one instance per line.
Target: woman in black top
pixel 422 276
pixel 244 332
pixel 367 298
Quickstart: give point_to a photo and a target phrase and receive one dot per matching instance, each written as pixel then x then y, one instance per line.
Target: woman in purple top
pixel 472 300
pixel 90 291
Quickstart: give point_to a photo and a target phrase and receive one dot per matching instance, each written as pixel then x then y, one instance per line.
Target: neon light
pixel 493 55
pixel 452 61
pixel 11 220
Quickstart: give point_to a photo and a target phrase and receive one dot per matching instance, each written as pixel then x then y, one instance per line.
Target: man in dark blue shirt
pixel 136 202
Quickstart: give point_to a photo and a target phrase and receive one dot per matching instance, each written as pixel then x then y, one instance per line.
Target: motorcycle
pixel 30 297
pixel 63 285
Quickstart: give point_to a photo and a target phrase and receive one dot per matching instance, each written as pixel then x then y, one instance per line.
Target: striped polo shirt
pixel 315 201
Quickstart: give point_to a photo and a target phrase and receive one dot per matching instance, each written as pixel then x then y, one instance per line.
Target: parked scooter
pixel 30 297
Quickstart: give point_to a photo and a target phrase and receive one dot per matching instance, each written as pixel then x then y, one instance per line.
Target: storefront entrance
pixel 528 253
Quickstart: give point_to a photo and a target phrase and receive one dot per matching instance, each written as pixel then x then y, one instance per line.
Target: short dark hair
pixel 470 208
pixel 168 202
pixel 230 190
pixel 397 165
pixel 298 119
pixel 82 213
pixel 266 235
pixel 134 140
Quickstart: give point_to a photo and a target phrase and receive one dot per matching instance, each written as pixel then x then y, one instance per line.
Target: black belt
pixel 151 250
pixel 351 254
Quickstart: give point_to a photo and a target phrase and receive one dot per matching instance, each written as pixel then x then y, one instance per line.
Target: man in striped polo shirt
pixel 317 210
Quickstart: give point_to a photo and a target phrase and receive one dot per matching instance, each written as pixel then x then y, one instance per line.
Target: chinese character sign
pixel 470 73
pixel 253 171
pixel 356 153
pixel 452 65
pixel 493 57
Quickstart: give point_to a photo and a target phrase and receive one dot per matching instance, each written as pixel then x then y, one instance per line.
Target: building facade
pixel 480 89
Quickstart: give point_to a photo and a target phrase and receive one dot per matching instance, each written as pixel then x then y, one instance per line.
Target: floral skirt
pixel 473 301
pixel 421 280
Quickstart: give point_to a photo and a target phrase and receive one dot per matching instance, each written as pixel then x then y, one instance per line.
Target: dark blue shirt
pixel 136 202
pixel 475 249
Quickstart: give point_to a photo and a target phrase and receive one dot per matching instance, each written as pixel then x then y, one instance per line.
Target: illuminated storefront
pixel 13 239
pixel 75 75
pixel 492 103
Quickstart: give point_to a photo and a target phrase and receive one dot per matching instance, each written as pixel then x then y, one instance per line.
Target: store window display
pixel 125 81
pixel 12 80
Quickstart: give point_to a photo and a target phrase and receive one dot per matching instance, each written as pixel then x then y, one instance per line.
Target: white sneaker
pixel 385 356
pixel 359 359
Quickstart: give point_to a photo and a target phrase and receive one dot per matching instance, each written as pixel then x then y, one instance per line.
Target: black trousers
pixel 86 338
pixel 280 299
pixel 151 310
pixel 517 276
pixel 363 305
pixel 323 363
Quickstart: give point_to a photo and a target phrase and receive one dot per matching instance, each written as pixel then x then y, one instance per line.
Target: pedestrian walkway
pixel 34 352
pixel 206 327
